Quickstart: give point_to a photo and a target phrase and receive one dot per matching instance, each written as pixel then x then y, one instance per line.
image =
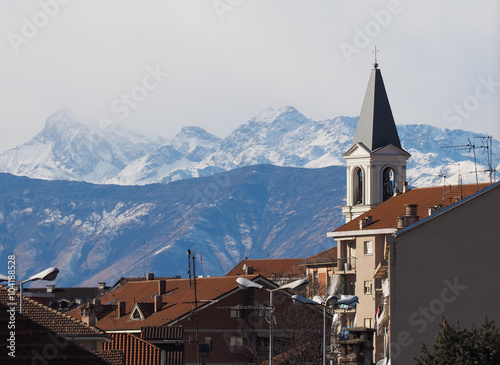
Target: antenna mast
pixel 441 174
pixel 144 256
pixel 471 146
pixel 189 266
pixel 487 145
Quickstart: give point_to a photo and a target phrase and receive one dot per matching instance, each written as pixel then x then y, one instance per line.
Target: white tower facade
pixel 376 162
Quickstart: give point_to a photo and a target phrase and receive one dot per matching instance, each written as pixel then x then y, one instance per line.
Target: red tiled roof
pixel 177 300
pixel 325 257
pixel 60 323
pixel 385 214
pixel 35 343
pixel 270 268
pixel 114 357
pixel 147 309
pixel 135 350
pixel 162 333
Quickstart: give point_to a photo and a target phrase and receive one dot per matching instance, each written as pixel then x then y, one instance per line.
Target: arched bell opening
pixel 358 186
pixel 388 183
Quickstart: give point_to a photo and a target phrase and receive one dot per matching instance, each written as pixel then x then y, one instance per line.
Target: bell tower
pixel 376 162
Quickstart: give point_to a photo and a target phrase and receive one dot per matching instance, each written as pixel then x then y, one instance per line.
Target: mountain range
pixel 95 233
pixel 104 203
pixel 66 149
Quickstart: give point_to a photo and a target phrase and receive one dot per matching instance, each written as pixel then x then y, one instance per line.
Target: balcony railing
pixel 346 265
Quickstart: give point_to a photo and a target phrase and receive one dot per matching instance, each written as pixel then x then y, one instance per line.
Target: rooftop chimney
pixel 410 217
pixel 101 285
pixel 405 187
pixel 162 287
pixel 411 210
pixel 121 309
pixel 366 221
pixel 50 288
pixel 88 314
pixel 150 276
pixel 158 301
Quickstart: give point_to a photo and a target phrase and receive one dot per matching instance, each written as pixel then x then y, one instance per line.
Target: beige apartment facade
pixel 445 265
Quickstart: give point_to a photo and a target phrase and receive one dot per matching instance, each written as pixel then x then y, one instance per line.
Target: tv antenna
pixel 460 182
pixel 471 147
pixel 487 142
pixel 441 174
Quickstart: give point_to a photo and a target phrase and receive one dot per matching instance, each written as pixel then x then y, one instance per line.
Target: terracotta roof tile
pixel 147 309
pixel 136 351
pixel 177 300
pixel 34 341
pixel 270 268
pixel 325 257
pixel 60 323
pixel 114 357
pixel 175 333
pixel 385 214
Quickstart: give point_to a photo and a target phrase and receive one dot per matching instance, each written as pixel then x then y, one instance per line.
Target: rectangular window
pixel 236 344
pixel 328 278
pixel 315 276
pixel 210 343
pixel 263 312
pixel 237 313
pixel 350 322
pixel 368 248
pixel 368 322
pixel 368 287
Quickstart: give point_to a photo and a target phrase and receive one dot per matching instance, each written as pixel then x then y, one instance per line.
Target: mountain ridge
pixel 67 149
pixel 97 232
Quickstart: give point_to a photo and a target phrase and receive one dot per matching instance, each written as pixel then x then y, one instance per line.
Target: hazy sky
pixel 228 60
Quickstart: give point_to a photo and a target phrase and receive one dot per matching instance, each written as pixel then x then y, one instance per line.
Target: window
pixel 368 287
pixel 350 322
pixel 236 344
pixel 237 312
pixel 328 279
pixel 210 343
pixel 368 249
pixel 315 276
pixel 368 322
pixel 136 315
pixel 263 312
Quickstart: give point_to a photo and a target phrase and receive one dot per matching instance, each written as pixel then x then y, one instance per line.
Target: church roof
pixel 376 127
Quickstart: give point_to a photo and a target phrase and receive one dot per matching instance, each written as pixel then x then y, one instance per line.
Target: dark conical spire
pixel 376 127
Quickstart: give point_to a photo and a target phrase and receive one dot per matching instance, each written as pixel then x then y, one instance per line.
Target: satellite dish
pixel 244 267
pixel 382 362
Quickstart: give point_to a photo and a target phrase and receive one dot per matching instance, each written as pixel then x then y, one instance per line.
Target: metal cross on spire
pixel 375 51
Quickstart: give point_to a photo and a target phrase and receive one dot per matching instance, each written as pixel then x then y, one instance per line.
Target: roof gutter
pixel 343 235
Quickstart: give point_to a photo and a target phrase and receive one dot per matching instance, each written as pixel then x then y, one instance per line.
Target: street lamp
pixel 331 300
pixel 49 274
pixel 300 285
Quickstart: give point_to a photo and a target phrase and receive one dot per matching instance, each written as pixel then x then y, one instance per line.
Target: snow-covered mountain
pixel 68 150
pixel 172 160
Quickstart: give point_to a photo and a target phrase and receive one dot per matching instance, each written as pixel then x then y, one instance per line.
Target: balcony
pixel 381 270
pixel 346 265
